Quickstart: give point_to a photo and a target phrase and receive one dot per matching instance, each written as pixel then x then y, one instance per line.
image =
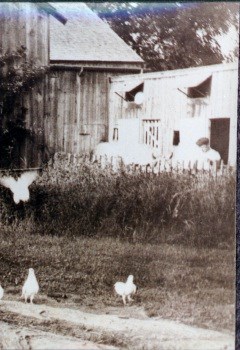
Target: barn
pixel 83 55
pixel 68 109
pixel 171 108
pixel 25 26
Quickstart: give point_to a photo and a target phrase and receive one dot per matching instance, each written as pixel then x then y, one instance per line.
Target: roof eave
pixel 97 64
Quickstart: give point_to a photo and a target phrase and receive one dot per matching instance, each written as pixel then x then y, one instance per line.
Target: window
pixel 202 90
pixel 130 95
pixel 176 138
pixel 198 98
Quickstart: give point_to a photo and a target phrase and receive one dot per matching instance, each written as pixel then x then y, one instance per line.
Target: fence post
pixel 215 169
pixel 221 167
pixel 111 163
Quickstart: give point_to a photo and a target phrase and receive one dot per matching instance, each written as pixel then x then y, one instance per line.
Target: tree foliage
pixel 18 75
pixel 171 35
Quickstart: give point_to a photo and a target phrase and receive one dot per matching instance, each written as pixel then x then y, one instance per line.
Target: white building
pixel 176 108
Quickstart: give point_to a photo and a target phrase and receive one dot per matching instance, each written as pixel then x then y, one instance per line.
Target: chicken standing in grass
pixel 30 287
pixel 20 186
pixel 126 289
pixel 1 292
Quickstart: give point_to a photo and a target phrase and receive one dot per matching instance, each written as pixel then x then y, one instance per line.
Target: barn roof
pixel 85 37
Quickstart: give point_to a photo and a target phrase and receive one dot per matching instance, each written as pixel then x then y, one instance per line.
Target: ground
pixel 49 324
pixel 185 297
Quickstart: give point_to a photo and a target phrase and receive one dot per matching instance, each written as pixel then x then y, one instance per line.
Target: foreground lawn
pixel 193 285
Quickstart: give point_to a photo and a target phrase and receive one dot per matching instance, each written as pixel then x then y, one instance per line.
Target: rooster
pixel 1 292
pixel 20 186
pixel 30 287
pixel 126 289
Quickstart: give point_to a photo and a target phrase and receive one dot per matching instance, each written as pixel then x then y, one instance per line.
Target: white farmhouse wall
pixel 165 99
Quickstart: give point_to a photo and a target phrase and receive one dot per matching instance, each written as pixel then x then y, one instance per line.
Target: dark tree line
pixel 172 35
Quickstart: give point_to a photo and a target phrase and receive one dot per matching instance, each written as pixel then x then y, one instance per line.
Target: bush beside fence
pixel 75 196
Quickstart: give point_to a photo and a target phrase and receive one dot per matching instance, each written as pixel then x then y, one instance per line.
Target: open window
pixel 202 90
pixel 198 98
pixel 130 95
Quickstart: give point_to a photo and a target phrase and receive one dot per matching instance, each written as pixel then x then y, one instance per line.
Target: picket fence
pixel 116 165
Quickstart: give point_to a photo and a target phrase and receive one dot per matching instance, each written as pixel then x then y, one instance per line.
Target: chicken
pixel 1 292
pixel 20 186
pixel 30 287
pixel 125 290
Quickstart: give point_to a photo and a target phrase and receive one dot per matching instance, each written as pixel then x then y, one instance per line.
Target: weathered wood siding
pixel 77 118
pixel 164 101
pixel 24 25
pixel 37 34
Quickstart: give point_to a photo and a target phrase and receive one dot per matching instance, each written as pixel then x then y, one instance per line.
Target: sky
pixel 228 41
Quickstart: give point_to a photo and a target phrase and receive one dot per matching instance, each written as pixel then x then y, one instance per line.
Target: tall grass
pixel 85 200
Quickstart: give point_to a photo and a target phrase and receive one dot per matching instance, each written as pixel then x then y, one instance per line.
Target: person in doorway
pixel 208 156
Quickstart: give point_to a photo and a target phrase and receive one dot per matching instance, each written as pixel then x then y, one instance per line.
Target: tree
pixel 17 76
pixel 171 35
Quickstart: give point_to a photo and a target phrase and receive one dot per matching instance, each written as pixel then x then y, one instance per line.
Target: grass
pixel 85 228
pixel 149 209
pixel 186 284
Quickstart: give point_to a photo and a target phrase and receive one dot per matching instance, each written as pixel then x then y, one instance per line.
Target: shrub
pixel 86 200
pixel 18 75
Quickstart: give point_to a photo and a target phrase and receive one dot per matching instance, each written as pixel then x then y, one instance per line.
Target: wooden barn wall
pixel 22 24
pixel 164 101
pixel 77 119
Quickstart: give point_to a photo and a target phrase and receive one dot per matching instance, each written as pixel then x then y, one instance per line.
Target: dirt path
pixel 125 332
pixel 29 339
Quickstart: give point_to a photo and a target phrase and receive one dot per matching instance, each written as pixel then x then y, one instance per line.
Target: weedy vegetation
pixel 85 228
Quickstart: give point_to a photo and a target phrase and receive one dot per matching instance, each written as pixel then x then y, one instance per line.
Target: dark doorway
pixel 219 137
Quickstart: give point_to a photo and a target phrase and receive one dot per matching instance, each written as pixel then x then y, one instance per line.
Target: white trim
pixel 207 70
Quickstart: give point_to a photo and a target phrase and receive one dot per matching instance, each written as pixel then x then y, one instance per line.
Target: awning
pixel 128 86
pixel 192 81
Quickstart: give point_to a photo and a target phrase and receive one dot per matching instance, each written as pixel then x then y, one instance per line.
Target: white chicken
pixel 1 292
pixel 30 287
pixel 20 186
pixel 126 289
